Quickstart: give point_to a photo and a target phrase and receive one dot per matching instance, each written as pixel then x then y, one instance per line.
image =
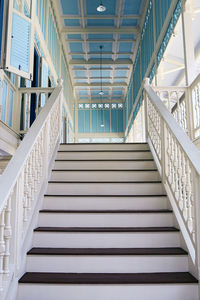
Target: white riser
pixel 103 147
pixel 105 202
pixel 105 188
pixel 108 292
pixel 106 240
pixel 104 155
pixel 104 165
pixel 105 220
pixel 105 175
pixel 106 264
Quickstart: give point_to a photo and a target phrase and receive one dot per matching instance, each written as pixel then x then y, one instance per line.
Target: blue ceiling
pixel 86 30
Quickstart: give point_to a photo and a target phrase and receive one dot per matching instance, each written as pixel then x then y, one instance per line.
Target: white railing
pixel 184 104
pixel 195 100
pixel 39 95
pixel 21 187
pixel 174 99
pixel 178 161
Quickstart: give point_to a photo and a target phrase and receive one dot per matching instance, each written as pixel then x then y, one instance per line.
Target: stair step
pixel 110 263
pixel 105 188
pixel 107 229
pixel 107 251
pixel 105 175
pixel 137 202
pixel 108 278
pixel 112 239
pixel 103 155
pixel 104 218
pixel 107 147
pixel 105 164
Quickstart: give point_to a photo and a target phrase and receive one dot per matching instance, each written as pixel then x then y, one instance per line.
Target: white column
pixel 188 40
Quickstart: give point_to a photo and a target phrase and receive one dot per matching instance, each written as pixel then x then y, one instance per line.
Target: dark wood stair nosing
pixel 109 278
pixel 106 182
pixel 102 160
pixel 106 229
pixel 103 151
pixel 100 211
pixel 116 144
pixel 109 196
pixel 108 251
pixel 104 170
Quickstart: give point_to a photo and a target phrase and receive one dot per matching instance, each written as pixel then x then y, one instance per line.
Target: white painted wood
pixel 108 292
pixel 106 240
pixel 102 165
pixel 104 175
pixel 103 220
pixel 104 147
pixel 189 149
pixel 90 155
pixel 79 202
pixel 107 264
pixel 80 188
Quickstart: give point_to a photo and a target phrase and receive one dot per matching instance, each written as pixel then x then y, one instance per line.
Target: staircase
pixel 106 231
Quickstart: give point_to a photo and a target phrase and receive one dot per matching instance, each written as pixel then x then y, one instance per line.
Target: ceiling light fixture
pixel 101 7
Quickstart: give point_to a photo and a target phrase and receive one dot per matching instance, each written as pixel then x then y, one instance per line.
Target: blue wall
pixel 92 116
pixel 145 51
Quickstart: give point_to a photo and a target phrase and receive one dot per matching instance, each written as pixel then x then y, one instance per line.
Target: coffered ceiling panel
pixel 85 29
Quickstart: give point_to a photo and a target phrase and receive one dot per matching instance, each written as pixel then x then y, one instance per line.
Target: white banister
pixel 21 184
pixel 179 164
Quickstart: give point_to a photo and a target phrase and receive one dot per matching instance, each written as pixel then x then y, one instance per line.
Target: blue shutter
pixel 87 121
pixel 81 121
pixel 20 43
pixel 120 121
pixel 114 120
pixel 10 112
pixel 4 98
pixel 94 120
pixel 107 120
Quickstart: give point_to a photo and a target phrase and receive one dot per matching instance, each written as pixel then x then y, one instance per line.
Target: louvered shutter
pixel 20 43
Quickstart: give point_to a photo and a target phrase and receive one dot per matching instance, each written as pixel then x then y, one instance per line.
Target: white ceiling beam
pixel 96 30
pixel 104 62
pixel 98 84
pixel 103 17
pixel 174 60
pixel 97 53
pixel 100 40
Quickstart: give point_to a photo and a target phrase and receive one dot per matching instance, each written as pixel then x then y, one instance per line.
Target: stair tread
pixel 108 278
pixel 100 182
pixel 114 144
pixel 107 251
pixel 105 170
pixel 115 196
pixel 103 151
pixel 102 211
pixel 113 160
pixel 107 229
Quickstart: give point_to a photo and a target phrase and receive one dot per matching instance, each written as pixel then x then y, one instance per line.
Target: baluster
pixel 183 187
pixel 28 110
pixel 2 246
pixel 190 202
pixel 7 235
pixel 26 188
